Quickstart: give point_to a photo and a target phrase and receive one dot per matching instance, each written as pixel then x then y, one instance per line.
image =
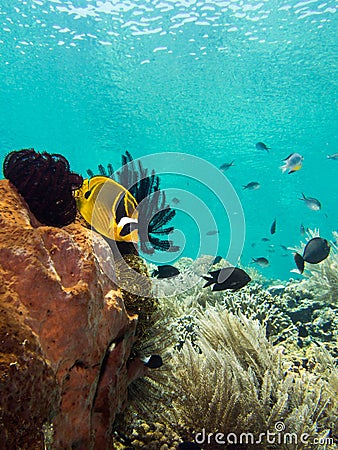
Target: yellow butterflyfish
pixel 109 208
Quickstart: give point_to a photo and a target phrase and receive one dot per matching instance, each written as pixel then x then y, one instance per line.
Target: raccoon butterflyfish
pixel 109 208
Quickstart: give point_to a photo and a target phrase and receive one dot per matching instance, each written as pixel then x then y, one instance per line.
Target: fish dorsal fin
pixel 285 159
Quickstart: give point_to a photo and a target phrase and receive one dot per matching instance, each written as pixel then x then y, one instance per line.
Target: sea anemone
pixel 46 183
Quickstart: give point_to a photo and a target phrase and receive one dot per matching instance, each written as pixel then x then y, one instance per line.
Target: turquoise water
pixel 91 79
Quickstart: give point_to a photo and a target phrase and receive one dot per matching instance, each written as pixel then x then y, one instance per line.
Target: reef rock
pixel 65 334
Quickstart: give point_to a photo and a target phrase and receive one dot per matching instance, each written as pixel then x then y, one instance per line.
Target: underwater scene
pixel 169 237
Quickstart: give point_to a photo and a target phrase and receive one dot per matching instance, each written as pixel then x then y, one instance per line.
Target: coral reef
pixel 66 335
pixel 46 183
pixel 240 362
pixel 243 384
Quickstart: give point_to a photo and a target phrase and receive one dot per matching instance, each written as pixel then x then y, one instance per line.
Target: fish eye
pixel 87 194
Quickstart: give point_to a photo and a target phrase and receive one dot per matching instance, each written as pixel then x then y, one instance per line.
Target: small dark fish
pixel 165 271
pixel 188 446
pixel 226 166
pixel 284 247
pixel 253 244
pixel 175 201
pixel 217 260
pixel 212 232
pixel 228 278
pixel 153 362
pixel 262 262
pixel 262 146
pixel 252 186
pixel 315 251
pixel 311 203
pixel 334 156
pixel 292 163
pixel 265 239
pixel 273 227
pixel 302 229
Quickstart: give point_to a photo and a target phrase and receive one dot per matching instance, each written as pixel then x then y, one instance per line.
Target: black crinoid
pixel 46 183
pixel 154 213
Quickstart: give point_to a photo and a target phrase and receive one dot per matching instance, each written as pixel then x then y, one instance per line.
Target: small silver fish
pixel 293 163
pixel 252 186
pixel 262 262
pixel 311 203
pixel 334 156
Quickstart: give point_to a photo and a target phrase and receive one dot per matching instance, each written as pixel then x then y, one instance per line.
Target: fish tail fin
pixel 244 187
pixel 303 197
pixel 284 168
pixel 209 281
pixel 299 262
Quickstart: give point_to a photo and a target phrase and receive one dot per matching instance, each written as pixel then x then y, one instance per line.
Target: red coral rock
pixel 54 296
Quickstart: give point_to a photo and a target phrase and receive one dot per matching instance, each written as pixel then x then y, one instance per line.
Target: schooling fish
pixel 302 229
pixel 228 278
pixel 293 163
pixel 165 271
pixel 212 232
pixel 265 239
pixel 252 186
pixel 334 156
pixel 262 262
pixel 311 203
pixel 109 208
pixel 226 166
pixel 153 361
pixel 262 146
pixel 273 227
pixel 315 251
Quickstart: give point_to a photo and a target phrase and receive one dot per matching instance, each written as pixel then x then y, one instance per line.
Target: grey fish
pixel 175 201
pixel 262 262
pixel 252 186
pixel 293 163
pixel 273 227
pixel 264 239
pixel 311 203
pixel 212 232
pixel 302 229
pixel 165 271
pixel 315 251
pixel 226 166
pixel 262 146
pixel 334 156
pixel 228 278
